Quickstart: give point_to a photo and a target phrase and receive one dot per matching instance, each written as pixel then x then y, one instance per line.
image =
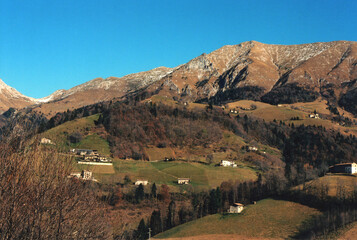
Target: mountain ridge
pixel 249 70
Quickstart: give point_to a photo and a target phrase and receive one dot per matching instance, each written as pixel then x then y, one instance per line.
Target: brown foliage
pixel 164 193
pixel 39 200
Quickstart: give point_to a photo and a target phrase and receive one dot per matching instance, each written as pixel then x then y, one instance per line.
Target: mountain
pixel 10 97
pixel 250 70
pixel 268 73
pixel 98 90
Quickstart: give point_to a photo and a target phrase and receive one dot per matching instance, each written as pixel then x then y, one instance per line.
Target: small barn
pixel 350 168
pixel 236 208
pixel 182 181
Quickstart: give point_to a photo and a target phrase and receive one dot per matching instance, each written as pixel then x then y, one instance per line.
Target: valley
pixel 172 149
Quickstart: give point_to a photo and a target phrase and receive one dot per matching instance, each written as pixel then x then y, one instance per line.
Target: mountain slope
pixel 252 69
pixel 10 97
pixel 98 90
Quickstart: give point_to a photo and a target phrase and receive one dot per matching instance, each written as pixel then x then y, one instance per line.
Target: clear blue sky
pixel 47 45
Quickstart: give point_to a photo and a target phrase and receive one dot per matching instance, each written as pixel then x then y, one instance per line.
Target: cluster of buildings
pixel 88 155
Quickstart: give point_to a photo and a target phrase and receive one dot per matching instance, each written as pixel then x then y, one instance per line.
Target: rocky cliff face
pixel 270 73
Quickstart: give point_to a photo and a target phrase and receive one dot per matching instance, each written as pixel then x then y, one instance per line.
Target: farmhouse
pixel 350 168
pixel 86 175
pixel 314 115
pixel 46 141
pixel 142 182
pixel 236 208
pixel 226 163
pixel 182 181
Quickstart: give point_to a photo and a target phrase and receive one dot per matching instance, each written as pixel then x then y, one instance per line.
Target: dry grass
pixel 267 219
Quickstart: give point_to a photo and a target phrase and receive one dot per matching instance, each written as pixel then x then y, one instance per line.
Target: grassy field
pixel 84 126
pixel 333 182
pixel 202 176
pixel 96 169
pixel 267 219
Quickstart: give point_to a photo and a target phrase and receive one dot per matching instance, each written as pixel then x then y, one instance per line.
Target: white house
pixel 314 115
pixel 182 181
pixel 142 182
pixel 350 168
pixel 226 163
pixel 236 208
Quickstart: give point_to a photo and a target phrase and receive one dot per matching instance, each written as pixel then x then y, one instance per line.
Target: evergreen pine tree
pixel 155 222
pixel 139 193
pixel 171 215
pixel 142 231
pixel 154 191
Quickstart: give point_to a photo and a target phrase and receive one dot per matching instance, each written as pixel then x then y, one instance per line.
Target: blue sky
pixel 50 45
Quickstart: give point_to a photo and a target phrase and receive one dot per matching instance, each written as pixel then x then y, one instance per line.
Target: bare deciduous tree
pixel 39 201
